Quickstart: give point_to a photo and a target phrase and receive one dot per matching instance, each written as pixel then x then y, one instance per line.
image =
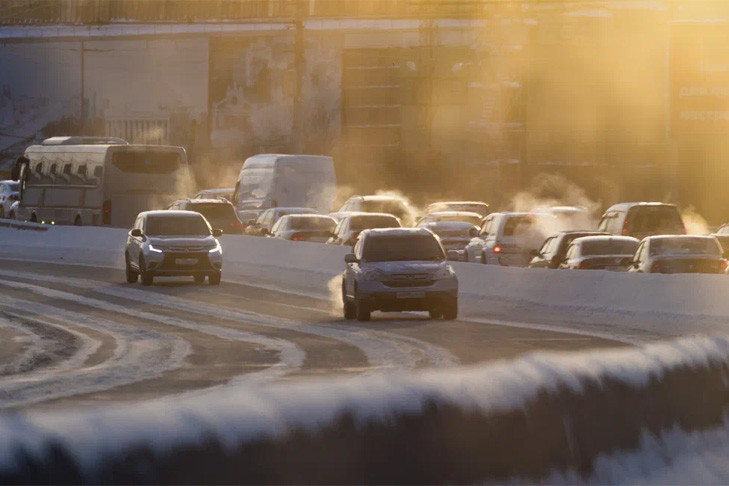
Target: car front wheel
pixel 132 276
pixel 214 278
pixel 450 311
pixel 147 277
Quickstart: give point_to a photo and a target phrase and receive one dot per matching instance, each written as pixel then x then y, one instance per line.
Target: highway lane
pixel 80 335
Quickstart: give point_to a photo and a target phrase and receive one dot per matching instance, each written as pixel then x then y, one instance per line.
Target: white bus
pixel 97 181
pixel 269 180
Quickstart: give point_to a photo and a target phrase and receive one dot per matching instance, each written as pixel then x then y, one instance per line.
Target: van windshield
pixel 255 183
pixel 177 226
pixel 402 248
pixel 655 220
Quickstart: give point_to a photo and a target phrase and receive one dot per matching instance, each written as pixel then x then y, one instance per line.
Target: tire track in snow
pixel 291 357
pixel 52 345
pixel 140 354
pixel 383 350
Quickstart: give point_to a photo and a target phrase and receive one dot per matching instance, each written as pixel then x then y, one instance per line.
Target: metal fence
pixel 21 12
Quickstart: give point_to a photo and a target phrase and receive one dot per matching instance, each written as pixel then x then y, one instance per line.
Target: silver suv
pixel 173 243
pixel 395 270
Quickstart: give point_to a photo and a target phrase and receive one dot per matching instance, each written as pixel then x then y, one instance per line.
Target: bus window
pixel 67 169
pixel 147 162
pixel 81 171
pixel 53 169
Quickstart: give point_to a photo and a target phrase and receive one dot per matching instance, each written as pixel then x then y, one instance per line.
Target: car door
pixel 544 254
pixel 134 244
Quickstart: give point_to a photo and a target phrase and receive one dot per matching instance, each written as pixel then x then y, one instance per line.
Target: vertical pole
pixel 82 118
pixel 299 67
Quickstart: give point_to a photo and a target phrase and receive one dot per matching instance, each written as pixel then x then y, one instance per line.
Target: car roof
pixel 208 201
pixel 378 232
pixel 667 237
pixel 382 197
pixel 216 191
pixel 604 238
pixel 362 214
pixel 455 213
pixel 293 208
pixel 448 224
pixel 170 213
pixel 479 203
pixel 628 205
pixel 306 216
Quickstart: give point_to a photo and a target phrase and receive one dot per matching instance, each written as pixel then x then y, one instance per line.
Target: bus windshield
pixel 138 162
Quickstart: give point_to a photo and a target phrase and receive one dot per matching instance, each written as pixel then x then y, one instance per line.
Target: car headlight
pixel 154 249
pixel 444 272
pixel 372 274
pixel 216 249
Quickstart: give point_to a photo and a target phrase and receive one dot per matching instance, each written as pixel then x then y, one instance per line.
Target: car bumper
pixel 169 264
pixel 378 296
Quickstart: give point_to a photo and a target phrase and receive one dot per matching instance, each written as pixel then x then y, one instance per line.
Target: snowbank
pixel 532 419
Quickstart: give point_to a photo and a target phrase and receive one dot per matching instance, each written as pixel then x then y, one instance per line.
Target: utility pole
pixel 82 116
pixel 299 68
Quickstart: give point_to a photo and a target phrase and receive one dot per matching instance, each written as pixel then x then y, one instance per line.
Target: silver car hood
pixel 182 241
pixel 407 267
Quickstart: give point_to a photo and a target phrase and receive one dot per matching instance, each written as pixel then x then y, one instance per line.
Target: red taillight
pixel 497 249
pixel 106 212
pixel 583 266
pixel 723 264
pixel 625 227
pixel 297 238
pixel 656 267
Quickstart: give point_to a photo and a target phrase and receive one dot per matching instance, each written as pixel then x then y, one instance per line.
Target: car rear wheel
pixel 132 276
pixel 147 277
pixel 214 278
pixel 450 311
pixel 350 312
pixel 362 311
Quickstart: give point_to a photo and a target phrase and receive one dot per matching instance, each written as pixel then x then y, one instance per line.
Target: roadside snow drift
pixel 544 416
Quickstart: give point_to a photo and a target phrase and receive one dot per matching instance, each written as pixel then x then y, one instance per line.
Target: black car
pixel 219 212
pixel 553 250
pixel 679 254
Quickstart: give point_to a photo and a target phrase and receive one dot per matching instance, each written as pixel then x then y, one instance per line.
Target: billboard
pixel 699 74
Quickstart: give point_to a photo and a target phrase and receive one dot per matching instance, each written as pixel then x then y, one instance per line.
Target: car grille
pixel 184 249
pixel 169 262
pixel 409 280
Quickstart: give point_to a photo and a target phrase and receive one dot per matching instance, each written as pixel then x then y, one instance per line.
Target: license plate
pixel 410 295
pixel 186 261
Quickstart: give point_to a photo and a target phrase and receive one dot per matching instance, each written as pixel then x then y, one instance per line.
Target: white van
pixel 269 180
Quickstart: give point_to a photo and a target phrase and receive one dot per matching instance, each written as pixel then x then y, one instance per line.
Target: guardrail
pixel 107 11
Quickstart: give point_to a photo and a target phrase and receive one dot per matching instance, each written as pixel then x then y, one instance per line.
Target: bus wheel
pixel 77 221
pixel 33 218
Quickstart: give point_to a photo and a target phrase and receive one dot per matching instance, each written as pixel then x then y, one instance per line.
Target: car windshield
pixel 465 218
pixel 402 248
pixel 360 223
pixel 389 206
pixel 518 225
pixel 177 226
pixel 215 213
pixel 685 246
pixel 321 223
pixel 609 247
pixel 655 219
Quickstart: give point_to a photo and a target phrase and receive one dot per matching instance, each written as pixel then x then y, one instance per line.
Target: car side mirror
pixel 217 232
pixel 136 232
pixel 350 258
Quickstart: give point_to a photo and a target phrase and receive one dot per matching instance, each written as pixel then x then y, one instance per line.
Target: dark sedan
pixel 601 253
pixel 679 254
pixel 554 248
pixel 304 227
